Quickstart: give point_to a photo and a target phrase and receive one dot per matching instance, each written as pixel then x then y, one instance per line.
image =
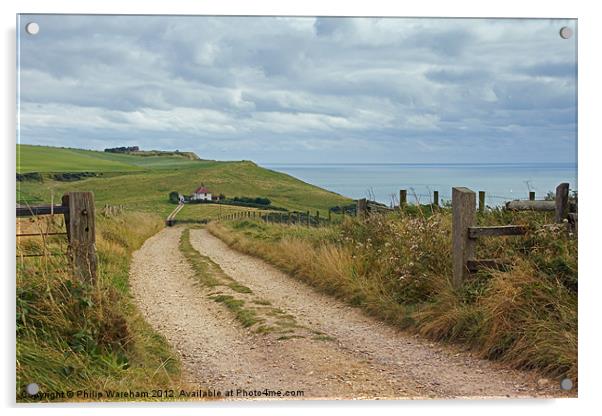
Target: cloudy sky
pixel 303 89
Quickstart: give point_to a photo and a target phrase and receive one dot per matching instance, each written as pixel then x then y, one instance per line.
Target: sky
pixel 302 90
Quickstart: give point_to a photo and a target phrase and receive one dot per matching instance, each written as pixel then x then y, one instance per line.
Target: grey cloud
pixel 552 69
pixel 457 75
pixel 450 43
pixel 326 26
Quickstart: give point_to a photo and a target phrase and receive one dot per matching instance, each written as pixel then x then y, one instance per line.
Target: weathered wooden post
pixel 81 232
pixel 436 198
pixel 308 219
pixel 362 205
pixel 403 198
pixel 329 215
pixel 562 201
pixel 317 218
pixel 531 195
pixel 288 217
pixel 481 201
pixel 463 216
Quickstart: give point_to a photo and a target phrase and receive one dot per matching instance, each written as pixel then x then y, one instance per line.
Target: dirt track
pixel 355 356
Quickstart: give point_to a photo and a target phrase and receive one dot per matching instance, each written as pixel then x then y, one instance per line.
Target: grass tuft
pixel 246 317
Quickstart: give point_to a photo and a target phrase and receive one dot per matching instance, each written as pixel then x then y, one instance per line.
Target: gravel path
pixel 358 356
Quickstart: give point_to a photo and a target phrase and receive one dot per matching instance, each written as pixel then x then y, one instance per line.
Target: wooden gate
pixel 78 211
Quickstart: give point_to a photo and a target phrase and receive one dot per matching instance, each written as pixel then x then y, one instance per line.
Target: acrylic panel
pixel 258 208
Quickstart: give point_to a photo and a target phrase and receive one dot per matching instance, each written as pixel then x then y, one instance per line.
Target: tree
pixel 174 197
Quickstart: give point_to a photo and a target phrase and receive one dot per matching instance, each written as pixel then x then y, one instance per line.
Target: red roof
pixel 202 190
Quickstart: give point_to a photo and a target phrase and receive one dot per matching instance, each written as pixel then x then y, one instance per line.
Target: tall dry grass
pixel 75 336
pixel 398 267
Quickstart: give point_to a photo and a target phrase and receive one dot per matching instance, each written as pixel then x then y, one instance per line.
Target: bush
pixel 174 197
pixel 32 176
pixel 250 200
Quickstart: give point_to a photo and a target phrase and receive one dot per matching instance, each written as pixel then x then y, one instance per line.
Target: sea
pixel 382 181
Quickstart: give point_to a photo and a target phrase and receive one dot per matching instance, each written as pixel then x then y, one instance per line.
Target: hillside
pixel 142 183
pixel 45 159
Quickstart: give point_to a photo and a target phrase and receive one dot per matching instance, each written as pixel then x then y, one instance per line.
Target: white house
pixel 201 194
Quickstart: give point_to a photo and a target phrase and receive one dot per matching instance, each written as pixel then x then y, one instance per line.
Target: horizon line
pixel 413 163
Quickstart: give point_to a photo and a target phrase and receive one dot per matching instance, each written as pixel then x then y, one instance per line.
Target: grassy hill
pixel 142 183
pixel 46 159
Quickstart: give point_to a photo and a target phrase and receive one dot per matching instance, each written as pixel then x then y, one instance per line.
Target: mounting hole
pixel 566 32
pixel 32 28
pixel 566 384
pixel 32 389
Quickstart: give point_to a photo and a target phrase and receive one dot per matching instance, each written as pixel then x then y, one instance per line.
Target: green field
pixel 142 183
pixel 46 159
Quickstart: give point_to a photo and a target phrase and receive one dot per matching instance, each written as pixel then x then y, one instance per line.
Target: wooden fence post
pixel 531 195
pixel 362 206
pixel 463 207
pixel 329 215
pixel 562 201
pixel 403 198
pixel 81 232
pixel 436 198
pixel 317 218
pixel 308 219
pixel 481 201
